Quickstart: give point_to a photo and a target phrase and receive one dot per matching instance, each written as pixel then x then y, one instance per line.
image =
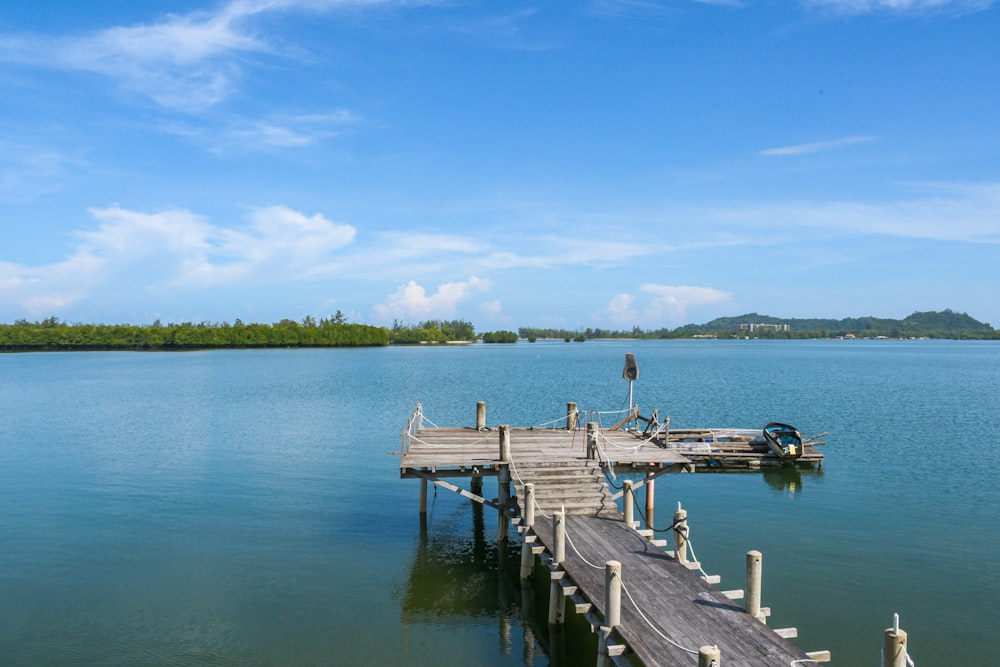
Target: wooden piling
pixel 480 415
pixel 503 483
pixel 650 499
pixel 503 499
pixel 423 496
pixel 628 503
pixel 557 603
pixel 504 443
pixel 709 656
pixel 612 594
pixel 612 609
pixel 528 517
pixel 592 441
pixel 754 569
pixel 571 416
pixel 894 647
pixel 680 535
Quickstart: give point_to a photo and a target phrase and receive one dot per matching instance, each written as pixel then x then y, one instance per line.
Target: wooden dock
pixel 680 611
pixel 664 612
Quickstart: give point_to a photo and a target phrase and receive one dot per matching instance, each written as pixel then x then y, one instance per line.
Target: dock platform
pixel 665 612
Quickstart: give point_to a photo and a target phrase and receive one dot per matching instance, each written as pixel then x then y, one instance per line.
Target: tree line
pixel 51 334
pixel 933 324
pixel 335 331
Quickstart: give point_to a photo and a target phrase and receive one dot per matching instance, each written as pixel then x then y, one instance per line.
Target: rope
pixel 577 551
pixel 650 623
pixel 551 421
pixel 690 546
pixel 414 438
pixel 538 507
pixel 642 515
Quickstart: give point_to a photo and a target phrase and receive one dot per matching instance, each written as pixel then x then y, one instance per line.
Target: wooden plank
pixel 683 607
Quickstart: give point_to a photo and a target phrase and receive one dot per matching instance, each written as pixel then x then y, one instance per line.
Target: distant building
pixel 775 327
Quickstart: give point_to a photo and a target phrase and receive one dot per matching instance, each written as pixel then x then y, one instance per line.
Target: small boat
pixel 784 440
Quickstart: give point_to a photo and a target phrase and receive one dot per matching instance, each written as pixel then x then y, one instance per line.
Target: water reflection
pixel 788 479
pixel 461 580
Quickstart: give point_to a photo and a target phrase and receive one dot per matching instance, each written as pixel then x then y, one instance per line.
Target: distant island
pixel 335 331
pixel 944 324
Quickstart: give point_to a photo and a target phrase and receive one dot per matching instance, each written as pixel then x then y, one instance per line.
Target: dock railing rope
pixel 651 624
pixel 635 605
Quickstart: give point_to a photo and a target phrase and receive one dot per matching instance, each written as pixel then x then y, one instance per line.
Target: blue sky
pixel 609 163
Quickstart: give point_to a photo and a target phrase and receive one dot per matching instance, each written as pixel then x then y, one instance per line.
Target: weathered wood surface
pixel 682 606
pixel 577 487
pixel 468 447
pixel 459 450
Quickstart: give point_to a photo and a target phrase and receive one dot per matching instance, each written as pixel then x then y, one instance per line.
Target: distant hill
pixel 943 324
pixel 932 324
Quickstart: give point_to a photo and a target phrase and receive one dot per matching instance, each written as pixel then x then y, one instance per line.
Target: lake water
pixel 241 507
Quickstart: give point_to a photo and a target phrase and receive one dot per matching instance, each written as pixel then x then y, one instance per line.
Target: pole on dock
pixel 612 609
pixel 709 656
pixel 628 503
pixel 592 441
pixel 504 443
pixel 528 515
pixel 423 496
pixel 894 645
pixel 571 416
pixel 557 605
pixel 754 569
pixel 503 482
pixel 612 594
pixel 650 499
pixel 480 415
pixel 681 534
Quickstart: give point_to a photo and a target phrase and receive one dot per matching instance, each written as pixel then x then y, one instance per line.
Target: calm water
pixel 240 507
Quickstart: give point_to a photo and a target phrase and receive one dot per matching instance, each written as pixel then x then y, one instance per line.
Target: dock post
pixel 894 645
pixel 557 605
pixel 612 594
pixel 504 443
pixel 592 441
pixel 680 534
pixel 480 415
pixel 503 482
pixel 650 500
pixel 528 517
pixel 612 609
pixel 754 568
pixel 709 656
pixel 423 496
pixel 628 503
pixel 476 484
pixel 571 416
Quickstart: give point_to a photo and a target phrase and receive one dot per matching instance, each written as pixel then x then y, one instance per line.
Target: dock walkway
pixel 668 612
pixel 688 611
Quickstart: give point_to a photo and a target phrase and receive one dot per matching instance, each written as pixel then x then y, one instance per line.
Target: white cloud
pixel 281 245
pixel 493 311
pixel 620 311
pixel 670 304
pixel 186 62
pixel 133 250
pixel 279 131
pixel 946 212
pixel 28 170
pixel 901 6
pixel 667 306
pixel 411 302
pixel 815 147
